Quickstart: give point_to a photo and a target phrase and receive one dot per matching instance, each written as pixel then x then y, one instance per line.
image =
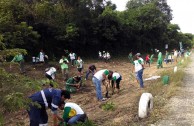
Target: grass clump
pixel 108 106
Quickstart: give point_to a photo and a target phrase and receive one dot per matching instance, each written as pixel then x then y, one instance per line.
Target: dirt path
pixel 181 107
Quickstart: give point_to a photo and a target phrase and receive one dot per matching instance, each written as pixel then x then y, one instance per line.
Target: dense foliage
pixel 87 26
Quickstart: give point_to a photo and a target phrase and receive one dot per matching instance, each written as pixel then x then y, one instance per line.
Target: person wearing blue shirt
pixel 47 98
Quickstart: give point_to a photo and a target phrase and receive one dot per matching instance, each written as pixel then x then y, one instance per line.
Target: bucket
pixel 165 79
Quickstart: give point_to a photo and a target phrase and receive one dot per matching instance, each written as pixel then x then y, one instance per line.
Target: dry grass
pixel 162 93
pixel 126 103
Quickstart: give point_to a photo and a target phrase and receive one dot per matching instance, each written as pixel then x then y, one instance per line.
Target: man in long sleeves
pixel 47 98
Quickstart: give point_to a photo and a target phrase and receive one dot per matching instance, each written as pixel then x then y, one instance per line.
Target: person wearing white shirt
pixel 97 79
pixel 72 58
pixel 50 74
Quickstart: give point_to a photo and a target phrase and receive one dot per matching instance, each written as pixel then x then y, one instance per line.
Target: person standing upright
pixel 160 59
pixel 72 57
pixel 138 68
pixel 64 67
pixel 41 56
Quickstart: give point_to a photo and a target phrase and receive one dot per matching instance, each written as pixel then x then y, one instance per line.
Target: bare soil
pixel 124 102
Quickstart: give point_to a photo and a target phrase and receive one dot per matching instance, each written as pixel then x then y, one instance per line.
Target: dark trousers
pixel 37 115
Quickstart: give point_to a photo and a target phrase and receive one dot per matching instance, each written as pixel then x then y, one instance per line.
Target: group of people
pixel 104 55
pixel 54 98
pixel 106 77
pixel 139 64
pixel 41 58
pixel 74 60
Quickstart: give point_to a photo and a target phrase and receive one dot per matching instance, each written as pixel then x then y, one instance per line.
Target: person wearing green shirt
pixel 130 56
pixel 64 67
pixel 73 84
pixel 72 114
pixel 19 59
pixel 160 59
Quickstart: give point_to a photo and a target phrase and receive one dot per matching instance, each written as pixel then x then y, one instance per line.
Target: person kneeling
pixel 72 114
pixel 73 84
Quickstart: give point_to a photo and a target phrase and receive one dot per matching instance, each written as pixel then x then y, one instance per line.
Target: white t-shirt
pixel 115 76
pixel 141 60
pixel 80 62
pixel 51 72
pixel 74 106
pixel 175 53
pixel 108 55
pixel 100 54
pixel 72 56
pixel 41 58
pixel 99 74
pixel 138 66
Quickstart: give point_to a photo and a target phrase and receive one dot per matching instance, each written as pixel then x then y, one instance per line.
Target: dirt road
pixel 181 107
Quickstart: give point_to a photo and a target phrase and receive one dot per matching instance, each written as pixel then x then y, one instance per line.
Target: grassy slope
pixel 125 104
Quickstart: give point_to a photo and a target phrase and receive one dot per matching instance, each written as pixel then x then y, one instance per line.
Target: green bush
pixel 14 91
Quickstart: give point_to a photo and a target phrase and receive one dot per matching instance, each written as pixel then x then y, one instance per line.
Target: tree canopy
pixel 86 26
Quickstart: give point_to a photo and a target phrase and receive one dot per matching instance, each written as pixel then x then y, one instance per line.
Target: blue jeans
pixel 88 72
pixel 139 75
pixel 98 88
pixel 74 119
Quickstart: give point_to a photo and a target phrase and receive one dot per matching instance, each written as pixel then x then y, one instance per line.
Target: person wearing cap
pixel 160 60
pixel 138 68
pixel 40 101
pixel 115 81
pixel 99 77
pixel 73 84
pixel 72 114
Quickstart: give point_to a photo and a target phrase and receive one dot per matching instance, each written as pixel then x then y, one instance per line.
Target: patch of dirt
pixel 86 98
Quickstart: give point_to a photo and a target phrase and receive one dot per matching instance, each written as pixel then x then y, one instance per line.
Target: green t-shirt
pixel 130 58
pixel 18 58
pixel 63 63
pixel 70 81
